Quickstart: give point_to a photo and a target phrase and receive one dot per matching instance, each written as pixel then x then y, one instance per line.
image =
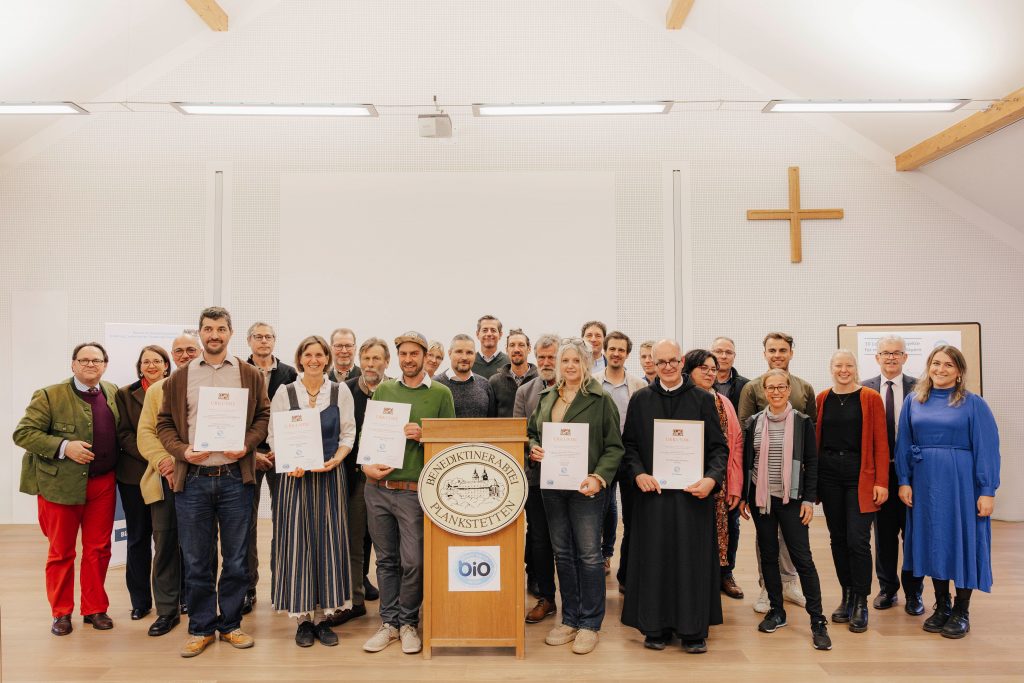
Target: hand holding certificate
pixel 298 443
pixel 566 457
pixel 678 453
pixel 382 441
pixel 220 419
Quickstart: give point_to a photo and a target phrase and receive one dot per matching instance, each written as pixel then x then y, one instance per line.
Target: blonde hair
pixel 586 362
pixel 846 352
pixel 924 386
pixel 775 372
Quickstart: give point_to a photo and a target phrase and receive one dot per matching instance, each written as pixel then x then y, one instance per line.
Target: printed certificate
pixel 220 419
pixel 678 453
pixel 382 440
pixel 298 442
pixel 566 455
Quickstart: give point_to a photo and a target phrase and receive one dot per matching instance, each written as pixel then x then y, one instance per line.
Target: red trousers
pixel 60 524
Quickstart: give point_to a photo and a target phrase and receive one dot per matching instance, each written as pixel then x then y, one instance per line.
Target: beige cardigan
pixel 149 444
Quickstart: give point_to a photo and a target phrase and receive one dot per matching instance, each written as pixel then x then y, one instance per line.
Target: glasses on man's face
pixel 262 337
pixel 342 347
pixel 891 354
pixel 781 389
pixel 670 363
pixel 90 361
pixel 189 351
pixel 723 352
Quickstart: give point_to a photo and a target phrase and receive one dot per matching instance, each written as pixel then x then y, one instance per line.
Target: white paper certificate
pixel 382 441
pixel 566 446
pixel 678 453
pixel 298 443
pixel 220 419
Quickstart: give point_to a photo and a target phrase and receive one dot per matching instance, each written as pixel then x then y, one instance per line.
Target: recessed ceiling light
pixel 40 108
pixel 571 109
pixel 212 109
pixel 861 106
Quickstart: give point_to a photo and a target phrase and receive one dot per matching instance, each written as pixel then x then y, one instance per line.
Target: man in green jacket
pixel 69 433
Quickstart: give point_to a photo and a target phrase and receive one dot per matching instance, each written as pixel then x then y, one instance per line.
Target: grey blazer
pixel 876 384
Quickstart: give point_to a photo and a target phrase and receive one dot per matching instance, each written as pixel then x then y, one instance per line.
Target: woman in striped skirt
pixel 312 579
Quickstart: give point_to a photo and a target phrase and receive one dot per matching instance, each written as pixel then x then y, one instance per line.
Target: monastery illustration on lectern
pixel 474 490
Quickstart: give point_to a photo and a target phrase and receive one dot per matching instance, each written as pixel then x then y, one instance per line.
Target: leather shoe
pixel 885 600
pixel 325 635
pixel 164 624
pixel 958 625
pixel 914 605
pixel 542 610
pixel 138 614
pixel 695 647
pixel 370 591
pixel 654 643
pixel 248 602
pixel 342 616
pixel 730 588
pixel 841 615
pixel 100 621
pixel 305 634
pixel 61 625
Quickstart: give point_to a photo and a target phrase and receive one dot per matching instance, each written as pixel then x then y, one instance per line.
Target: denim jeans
pixel 205 504
pixel 396 526
pixel 611 521
pixel 574 522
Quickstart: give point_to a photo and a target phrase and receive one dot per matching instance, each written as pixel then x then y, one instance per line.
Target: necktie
pixel 890 416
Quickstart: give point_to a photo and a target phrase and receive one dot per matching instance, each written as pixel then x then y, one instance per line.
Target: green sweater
pixel 433 401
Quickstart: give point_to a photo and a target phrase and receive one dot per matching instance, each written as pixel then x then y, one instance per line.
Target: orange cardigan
pixel 874 446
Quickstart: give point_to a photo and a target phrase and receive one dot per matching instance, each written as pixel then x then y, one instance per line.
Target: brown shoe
pixel 730 588
pixel 61 625
pixel 195 645
pixel 542 610
pixel 100 621
pixel 238 638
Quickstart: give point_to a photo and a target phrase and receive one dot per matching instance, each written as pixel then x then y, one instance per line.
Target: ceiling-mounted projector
pixel 434 125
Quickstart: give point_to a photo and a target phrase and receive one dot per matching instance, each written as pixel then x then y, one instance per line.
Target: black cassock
pixel 673 578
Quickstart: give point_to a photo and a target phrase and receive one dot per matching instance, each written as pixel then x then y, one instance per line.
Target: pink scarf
pixel 787 456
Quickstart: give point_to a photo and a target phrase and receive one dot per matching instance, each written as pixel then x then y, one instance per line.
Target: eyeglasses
pixel 891 354
pixel 776 390
pixel 339 347
pixel 671 363
pixel 159 361
pixel 190 351
pixel 723 352
pixel 262 337
pixel 90 361
pixel 708 369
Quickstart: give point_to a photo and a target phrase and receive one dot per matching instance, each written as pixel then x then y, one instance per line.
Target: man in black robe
pixel 673 576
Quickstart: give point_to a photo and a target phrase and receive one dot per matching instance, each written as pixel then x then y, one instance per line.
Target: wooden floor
pixel 894 646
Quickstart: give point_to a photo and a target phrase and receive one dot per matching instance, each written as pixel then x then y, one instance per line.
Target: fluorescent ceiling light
pixel 571 109
pixel 275 109
pixel 861 106
pixel 41 108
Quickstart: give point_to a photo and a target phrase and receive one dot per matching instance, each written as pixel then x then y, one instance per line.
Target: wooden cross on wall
pixel 794 214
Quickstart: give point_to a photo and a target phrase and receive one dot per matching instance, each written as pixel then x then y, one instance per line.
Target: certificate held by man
pixel 565 462
pixel 382 441
pixel 298 443
pixel 220 419
pixel 678 453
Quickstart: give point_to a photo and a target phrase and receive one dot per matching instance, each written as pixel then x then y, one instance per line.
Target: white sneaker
pixel 411 643
pixel 791 592
pixel 762 604
pixel 384 636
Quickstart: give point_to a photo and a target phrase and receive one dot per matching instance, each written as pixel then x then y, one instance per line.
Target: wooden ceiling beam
pixel 1006 111
pixel 677 13
pixel 210 12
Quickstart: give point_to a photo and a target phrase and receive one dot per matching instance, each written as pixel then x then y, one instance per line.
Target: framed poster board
pixel 921 338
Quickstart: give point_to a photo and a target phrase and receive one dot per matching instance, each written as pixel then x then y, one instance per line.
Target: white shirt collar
pixel 82 387
pixel 426 381
pixel 450 374
pixel 681 382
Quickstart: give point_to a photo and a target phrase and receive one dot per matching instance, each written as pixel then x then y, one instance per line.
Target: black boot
pixel 959 623
pixel 842 613
pixel 859 614
pixel 938 619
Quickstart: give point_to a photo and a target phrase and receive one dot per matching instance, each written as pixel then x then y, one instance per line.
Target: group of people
pixel 917 459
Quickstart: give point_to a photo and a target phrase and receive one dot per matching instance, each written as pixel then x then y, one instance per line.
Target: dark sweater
pixel 484 368
pixel 359 400
pixel 505 385
pixel 279 376
pixel 473 398
pixel 104 434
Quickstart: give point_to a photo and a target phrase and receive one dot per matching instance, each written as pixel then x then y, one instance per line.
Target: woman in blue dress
pixel 947 462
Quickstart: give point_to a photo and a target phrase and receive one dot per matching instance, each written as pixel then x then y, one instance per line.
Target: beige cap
pixel 414 337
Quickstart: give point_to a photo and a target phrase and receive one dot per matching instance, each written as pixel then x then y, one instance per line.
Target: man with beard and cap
pixel 471 392
pixel 540 558
pixel 673 575
pixel 374 357
pixel 506 382
pixel 489 359
pixel 168 591
pixel 392 503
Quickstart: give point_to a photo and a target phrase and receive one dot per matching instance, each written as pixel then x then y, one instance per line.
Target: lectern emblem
pixel 472 489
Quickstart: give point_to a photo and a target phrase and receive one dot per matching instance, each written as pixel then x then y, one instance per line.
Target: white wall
pixel 131 192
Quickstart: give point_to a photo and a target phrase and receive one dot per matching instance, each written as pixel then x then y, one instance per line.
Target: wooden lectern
pixel 474 619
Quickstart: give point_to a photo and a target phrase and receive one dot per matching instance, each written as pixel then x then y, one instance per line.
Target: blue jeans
pixel 574 522
pixel 610 524
pixel 206 503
